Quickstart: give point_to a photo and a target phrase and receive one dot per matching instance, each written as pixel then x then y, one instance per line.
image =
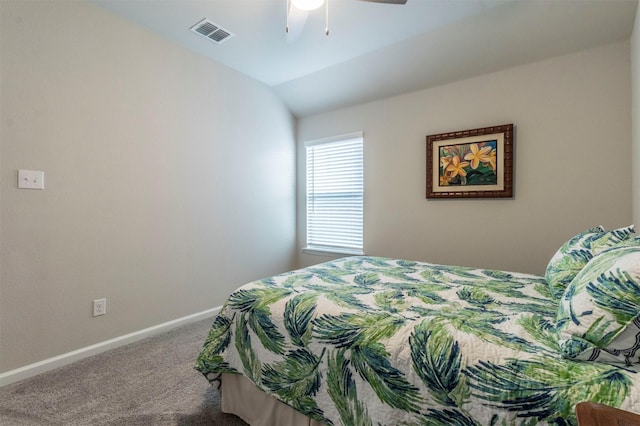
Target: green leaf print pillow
pixel 599 313
pixel 574 254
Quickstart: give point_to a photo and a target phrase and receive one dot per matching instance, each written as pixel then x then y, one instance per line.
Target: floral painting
pixel 469 164
pixel 475 163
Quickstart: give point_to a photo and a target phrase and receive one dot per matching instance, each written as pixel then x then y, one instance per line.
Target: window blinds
pixel 335 194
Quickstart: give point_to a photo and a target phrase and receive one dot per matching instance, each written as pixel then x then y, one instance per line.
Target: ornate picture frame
pixel 475 163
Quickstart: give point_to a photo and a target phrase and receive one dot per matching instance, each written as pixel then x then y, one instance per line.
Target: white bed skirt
pixel 245 400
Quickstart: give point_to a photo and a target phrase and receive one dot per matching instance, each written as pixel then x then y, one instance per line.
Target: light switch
pixel 30 179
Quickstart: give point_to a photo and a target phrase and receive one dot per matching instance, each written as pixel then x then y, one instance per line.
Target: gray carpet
pixel 150 382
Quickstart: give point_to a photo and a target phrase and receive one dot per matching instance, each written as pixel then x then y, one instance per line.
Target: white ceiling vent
pixel 212 31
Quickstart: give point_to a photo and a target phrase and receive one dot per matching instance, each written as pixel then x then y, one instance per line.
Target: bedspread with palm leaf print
pixel 377 341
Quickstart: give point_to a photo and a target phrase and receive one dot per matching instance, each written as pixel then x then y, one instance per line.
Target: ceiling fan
pixel 298 10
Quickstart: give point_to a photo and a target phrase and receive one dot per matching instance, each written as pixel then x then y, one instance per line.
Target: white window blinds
pixel 335 194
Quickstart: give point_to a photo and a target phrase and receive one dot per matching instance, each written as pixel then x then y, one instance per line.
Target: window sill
pixel 328 252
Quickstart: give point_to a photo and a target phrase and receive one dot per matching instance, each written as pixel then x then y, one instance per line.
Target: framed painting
pixel 476 163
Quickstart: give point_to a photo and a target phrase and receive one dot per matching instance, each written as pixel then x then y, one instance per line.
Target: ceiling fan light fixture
pixel 307 4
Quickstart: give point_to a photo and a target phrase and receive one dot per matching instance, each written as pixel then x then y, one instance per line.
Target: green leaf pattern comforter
pixel 377 341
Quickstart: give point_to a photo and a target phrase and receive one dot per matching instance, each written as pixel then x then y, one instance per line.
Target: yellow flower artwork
pixel 468 164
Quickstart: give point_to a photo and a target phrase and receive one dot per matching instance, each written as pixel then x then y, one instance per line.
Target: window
pixel 335 194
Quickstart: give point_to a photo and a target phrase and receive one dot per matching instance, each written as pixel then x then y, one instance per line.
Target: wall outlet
pixel 30 179
pixel 99 307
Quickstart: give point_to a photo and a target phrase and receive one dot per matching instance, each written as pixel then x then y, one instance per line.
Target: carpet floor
pixel 150 382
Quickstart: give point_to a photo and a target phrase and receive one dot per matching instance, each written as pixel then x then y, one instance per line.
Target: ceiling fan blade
pixel 387 1
pixel 295 23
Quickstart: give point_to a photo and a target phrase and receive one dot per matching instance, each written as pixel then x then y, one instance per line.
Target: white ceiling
pixel 379 50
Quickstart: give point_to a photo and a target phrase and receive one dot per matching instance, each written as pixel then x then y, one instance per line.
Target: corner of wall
pixel 635 116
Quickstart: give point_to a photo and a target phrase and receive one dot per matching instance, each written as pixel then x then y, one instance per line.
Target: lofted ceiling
pixel 378 50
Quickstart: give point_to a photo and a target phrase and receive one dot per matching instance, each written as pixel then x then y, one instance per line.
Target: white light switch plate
pixel 30 179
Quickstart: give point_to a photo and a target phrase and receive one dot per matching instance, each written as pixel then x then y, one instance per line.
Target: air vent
pixel 212 31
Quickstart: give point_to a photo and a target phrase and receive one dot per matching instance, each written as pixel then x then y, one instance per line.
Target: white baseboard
pixel 36 368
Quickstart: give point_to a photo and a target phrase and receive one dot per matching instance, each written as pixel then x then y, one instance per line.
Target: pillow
pixel 569 260
pixel 574 254
pixel 629 242
pixel 599 313
pixel 610 239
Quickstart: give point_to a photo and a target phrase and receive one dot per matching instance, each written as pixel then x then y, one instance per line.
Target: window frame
pixel 314 247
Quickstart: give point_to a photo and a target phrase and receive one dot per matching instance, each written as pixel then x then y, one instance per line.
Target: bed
pixel 377 341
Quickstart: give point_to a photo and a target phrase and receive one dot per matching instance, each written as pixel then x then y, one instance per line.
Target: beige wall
pixel 572 162
pixel 635 120
pixel 169 180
